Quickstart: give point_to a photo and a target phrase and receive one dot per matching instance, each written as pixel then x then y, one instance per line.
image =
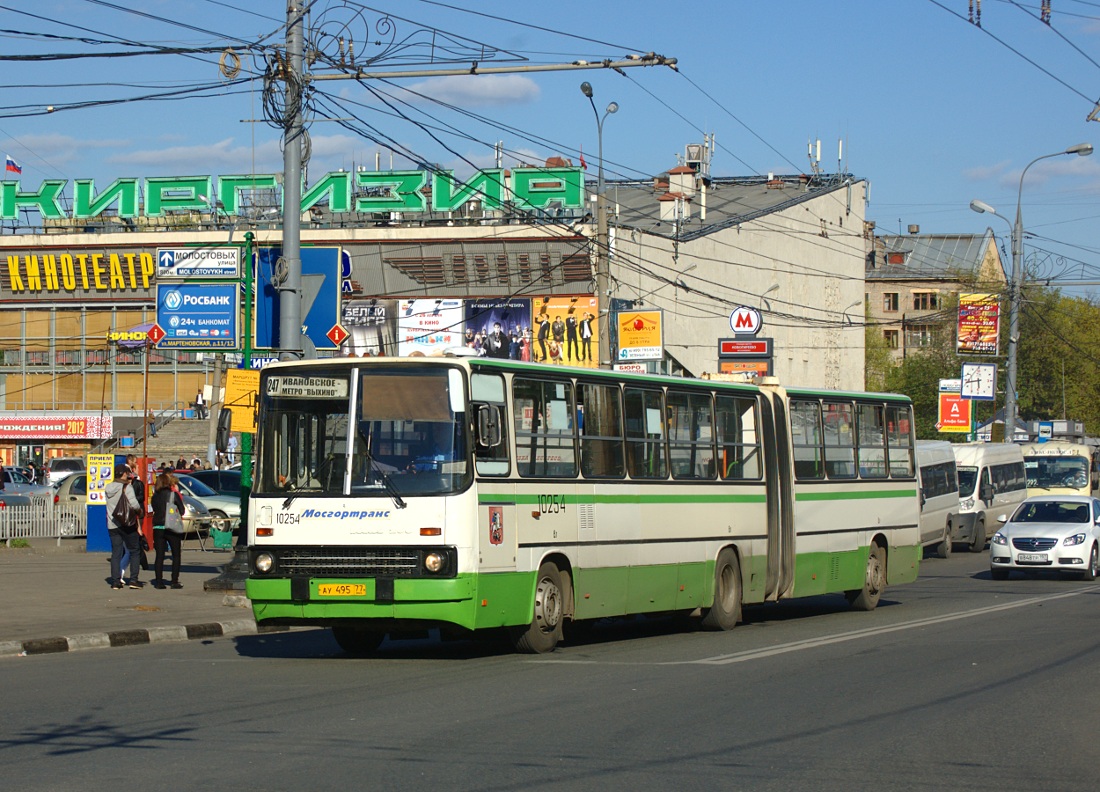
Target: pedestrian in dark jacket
pixel 166 491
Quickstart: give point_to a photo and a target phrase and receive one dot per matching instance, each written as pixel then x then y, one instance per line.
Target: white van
pixel 939 495
pixel 991 484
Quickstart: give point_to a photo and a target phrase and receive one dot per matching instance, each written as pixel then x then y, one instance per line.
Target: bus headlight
pixel 435 562
pixel 968 504
pixel 264 562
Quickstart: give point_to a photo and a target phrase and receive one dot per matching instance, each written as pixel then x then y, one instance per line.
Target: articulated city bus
pixel 1058 467
pixel 470 494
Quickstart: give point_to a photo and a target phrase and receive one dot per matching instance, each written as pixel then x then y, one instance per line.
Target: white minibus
pixel 939 495
pixel 991 484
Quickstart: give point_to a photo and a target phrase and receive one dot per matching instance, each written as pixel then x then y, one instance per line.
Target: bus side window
pixel 488 389
pixel 545 428
pixel 738 438
pixel 645 434
pixel 840 441
pixel 806 431
pixel 602 431
pixel 691 436
pixel 872 441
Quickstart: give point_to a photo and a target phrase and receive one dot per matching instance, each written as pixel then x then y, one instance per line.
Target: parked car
pixel 13 482
pixel 60 467
pixel 221 507
pixel 74 488
pixel 1057 532
pixel 224 482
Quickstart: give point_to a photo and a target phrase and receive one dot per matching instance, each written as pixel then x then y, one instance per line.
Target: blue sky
pixel 933 110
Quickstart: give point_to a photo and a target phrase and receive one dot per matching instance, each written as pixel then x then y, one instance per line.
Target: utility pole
pixel 289 273
pixel 289 276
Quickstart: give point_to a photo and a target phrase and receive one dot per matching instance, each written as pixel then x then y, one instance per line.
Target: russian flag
pixel 11 166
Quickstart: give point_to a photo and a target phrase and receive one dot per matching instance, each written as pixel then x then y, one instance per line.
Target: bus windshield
pixel 384 433
pixel 968 478
pixel 1056 471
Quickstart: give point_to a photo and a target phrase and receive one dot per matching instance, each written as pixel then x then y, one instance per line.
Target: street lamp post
pixel 1015 287
pixel 603 323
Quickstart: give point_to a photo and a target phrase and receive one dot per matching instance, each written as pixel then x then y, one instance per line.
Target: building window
pixel 926 301
pixel 890 302
pixel 918 336
pixel 891 338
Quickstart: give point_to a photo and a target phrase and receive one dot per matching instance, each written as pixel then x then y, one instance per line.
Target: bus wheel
pixel 357 641
pixel 874 582
pixel 726 610
pixel 944 550
pixel 544 631
pixel 977 542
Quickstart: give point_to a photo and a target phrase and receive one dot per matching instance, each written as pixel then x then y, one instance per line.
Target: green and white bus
pixel 397 494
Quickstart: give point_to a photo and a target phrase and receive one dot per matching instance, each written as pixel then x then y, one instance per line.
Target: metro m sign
pixel 746 321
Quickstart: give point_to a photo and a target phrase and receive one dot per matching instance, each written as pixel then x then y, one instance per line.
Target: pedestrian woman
pixel 124 537
pixel 167 527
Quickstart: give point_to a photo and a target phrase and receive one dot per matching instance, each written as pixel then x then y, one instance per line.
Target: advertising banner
pixel 426 327
pixel 640 335
pixel 371 326
pixel 979 324
pixel 954 413
pixel 566 330
pixel 499 328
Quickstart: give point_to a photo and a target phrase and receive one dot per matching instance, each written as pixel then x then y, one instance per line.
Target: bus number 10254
pixel 551 504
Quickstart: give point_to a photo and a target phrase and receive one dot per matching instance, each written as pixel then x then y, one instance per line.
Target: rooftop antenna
pixel 815 159
pixel 840 155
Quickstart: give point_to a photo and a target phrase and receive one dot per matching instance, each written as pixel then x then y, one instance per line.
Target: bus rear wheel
pixel 874 582
pixel 357 641
pixel 545 630
pixel 726 610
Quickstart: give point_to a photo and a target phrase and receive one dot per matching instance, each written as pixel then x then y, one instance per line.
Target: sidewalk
pixel 57 599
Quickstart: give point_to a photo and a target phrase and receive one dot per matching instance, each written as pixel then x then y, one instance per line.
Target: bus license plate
pixel 1031 558
pixel 341 589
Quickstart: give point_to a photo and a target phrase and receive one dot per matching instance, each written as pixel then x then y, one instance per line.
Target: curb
pixel 76 643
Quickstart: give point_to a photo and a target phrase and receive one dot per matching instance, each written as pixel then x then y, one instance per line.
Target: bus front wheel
pixel 357 641
pixel 726 610
pixel 545 630
pixel 874 581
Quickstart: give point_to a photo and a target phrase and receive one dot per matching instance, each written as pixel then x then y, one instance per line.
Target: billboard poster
pixel 639 335
pixel 979 324
pixel 427 326
pixel 499 328
pixel 371 326
pixel 566 330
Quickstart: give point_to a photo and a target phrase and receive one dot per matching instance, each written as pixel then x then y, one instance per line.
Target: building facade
pixel 78 293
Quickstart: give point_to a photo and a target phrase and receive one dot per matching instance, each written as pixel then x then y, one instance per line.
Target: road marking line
pixel 811 643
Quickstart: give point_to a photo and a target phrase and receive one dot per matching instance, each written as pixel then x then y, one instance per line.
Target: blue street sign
pixel 322 271
pixel 198 316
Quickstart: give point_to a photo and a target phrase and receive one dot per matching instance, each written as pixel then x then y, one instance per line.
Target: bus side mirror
pixel 488 426
pixel 225 426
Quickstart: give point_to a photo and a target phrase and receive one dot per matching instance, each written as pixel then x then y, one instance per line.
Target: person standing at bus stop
pixel 165 536
pixel 124 538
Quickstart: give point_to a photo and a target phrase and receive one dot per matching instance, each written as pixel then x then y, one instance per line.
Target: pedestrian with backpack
pixel 123 515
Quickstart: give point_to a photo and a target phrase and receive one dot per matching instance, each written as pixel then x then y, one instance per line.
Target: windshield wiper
pixel 387 484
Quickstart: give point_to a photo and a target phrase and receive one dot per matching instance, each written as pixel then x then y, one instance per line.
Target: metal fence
pixel 38 517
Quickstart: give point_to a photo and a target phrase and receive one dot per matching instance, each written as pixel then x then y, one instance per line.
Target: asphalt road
pixel 954 682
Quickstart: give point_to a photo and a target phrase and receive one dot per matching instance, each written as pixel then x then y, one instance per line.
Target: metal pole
pixel 1015 287
pixel 1014 317
pixel 290 285
pixel 603 275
